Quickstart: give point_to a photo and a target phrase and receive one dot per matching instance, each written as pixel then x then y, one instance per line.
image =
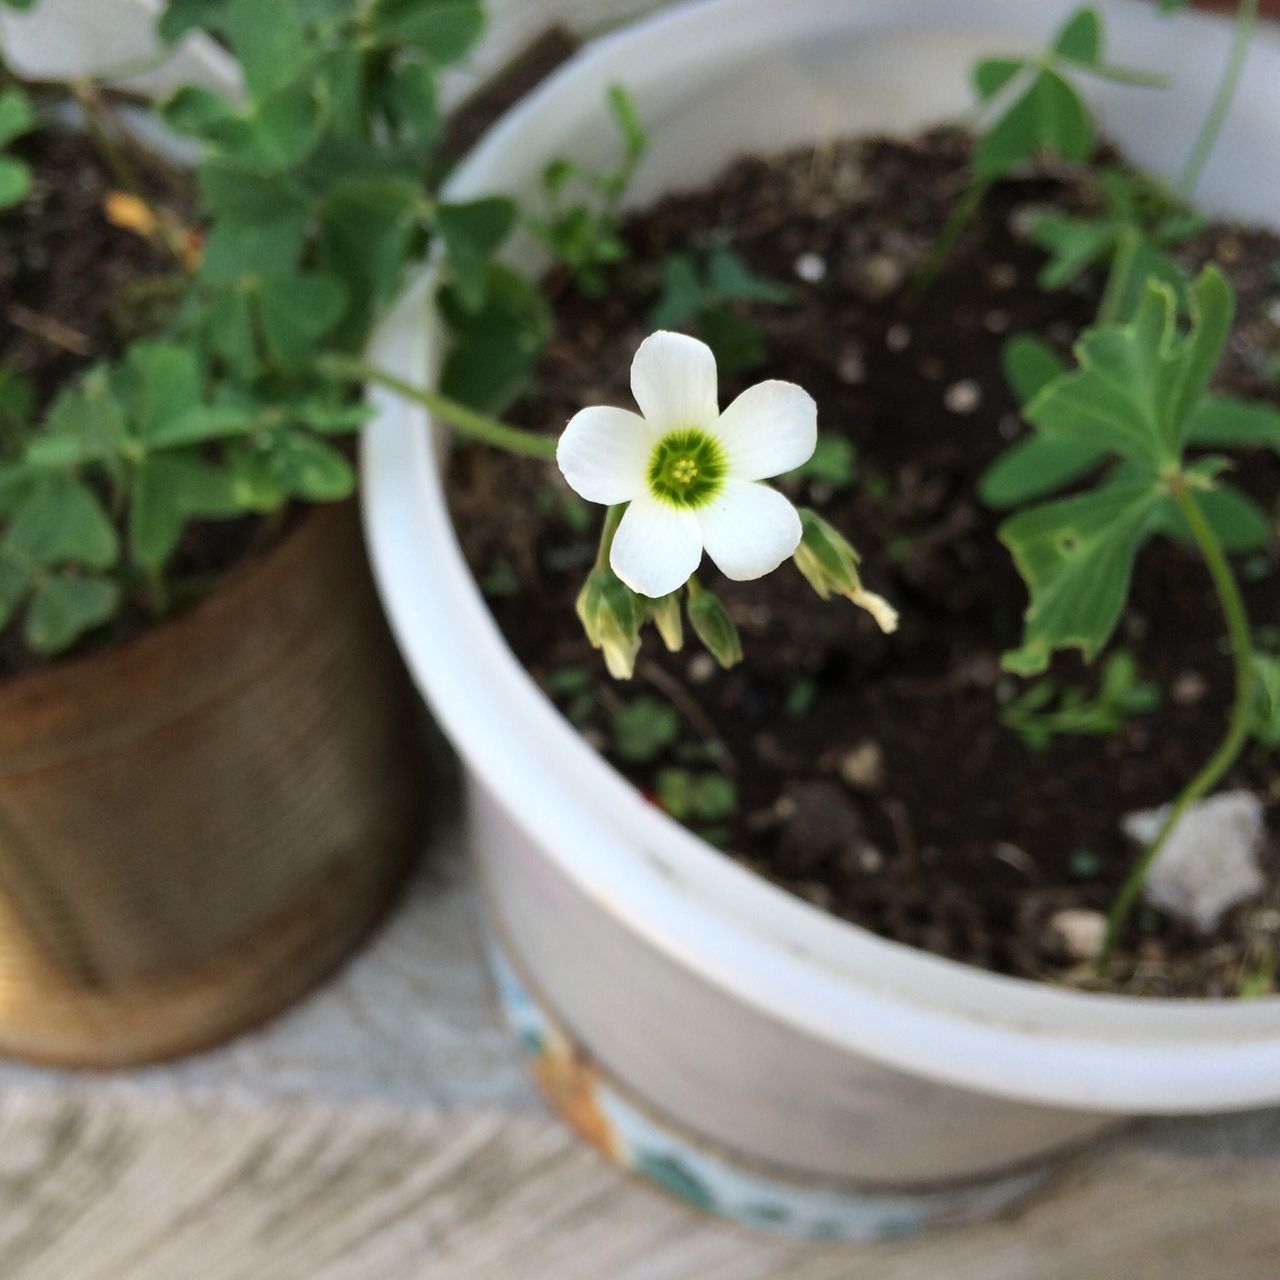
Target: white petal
pixel 749 529
pixel 656 547
pixel 673 379
pixel 769 429
pixel 604 453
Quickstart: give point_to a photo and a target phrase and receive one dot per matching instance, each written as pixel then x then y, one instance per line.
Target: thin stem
pixel 467 422
pixel 1246 18
pixel 957 223
pixel 1237 730
pixel 612 519
pixel 1119 278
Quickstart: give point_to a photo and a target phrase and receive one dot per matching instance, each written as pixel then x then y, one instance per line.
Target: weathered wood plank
pixel 385 1130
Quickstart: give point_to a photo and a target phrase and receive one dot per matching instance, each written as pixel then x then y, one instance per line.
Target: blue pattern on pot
pixel 633 1136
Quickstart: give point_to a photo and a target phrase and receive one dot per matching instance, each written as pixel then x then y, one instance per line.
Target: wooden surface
pixel 385 1130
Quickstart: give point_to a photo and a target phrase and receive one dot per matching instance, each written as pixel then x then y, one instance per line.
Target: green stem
pixel 465 421
pixel 612 519
pixel 961 216
pixel 1246 18
pixel 1237 730
pixel 1119 278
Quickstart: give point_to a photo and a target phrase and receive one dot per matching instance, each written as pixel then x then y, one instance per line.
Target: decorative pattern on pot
pixel 637 1138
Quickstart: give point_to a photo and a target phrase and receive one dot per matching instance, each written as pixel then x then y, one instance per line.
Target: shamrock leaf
pixel 1138 383
pixel 60 520
pixel 66 605
pixel 171 489
pixel 471 233
pixel 1076 555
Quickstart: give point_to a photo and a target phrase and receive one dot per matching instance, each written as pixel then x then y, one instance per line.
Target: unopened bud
pixel 612 615
pixel 713 626
pixel 665 613
pixel 830 565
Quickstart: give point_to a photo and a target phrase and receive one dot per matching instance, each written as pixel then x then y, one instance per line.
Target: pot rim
pixel 826 978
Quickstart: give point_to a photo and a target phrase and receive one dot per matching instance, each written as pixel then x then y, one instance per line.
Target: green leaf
pixel 1049 115
pixel 17 115
pixel 682 293
pixel 201 424
pixel 183 16
pixel 281 130
pixel 270 41
pixel 331 419
pixel 644 729
pixel 990 75
pixel 229 332
pixel 200 113
pixel 446 30
pixel 166 383
pixel 411 98
pixel 310 469
pixel 61 521
pixel 1076 555
pixel 1138 382
pixel 1171 6
pixel 1136 263
pixel 15 181
pixel 236 250
pixel 833 461
pixel 622 108
pixel 1029 365
pixel 471 233
pixel 736 342
pixel 85 424
pixel 15 584
pixel 366 230
pixel 296 312
pixel 1239 523
pixel 170 490
pixel 495 349
pixel 1073 245
pixel 64 607
pixel 1080 39
pixel 1228 422
pixel 1034 468
pixel 733 281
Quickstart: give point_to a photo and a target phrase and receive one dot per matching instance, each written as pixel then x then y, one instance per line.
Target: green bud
pixel 830 565
pixel 612 615
pixel 665 613
pixel 713 626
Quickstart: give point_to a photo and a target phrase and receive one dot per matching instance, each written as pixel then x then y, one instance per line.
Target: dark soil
pixel 76 288
pixel 875 778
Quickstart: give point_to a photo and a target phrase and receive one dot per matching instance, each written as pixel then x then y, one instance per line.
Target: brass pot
pixel 198 824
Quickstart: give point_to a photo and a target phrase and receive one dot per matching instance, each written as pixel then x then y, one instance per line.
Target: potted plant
pixel 735 1041
pixel 210 766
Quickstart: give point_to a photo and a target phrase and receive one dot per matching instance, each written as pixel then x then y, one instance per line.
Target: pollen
pixel 684 471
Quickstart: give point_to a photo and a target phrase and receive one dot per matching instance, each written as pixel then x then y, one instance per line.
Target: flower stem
pixel 1237 730
pixel 961 215
pixel 465 421
pixel 1246 18
pixel 612 519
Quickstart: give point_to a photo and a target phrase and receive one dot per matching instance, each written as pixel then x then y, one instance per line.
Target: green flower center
pixel 687 468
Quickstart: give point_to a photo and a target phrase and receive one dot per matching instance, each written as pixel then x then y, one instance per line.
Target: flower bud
pixel 665 613
pixel 612 615
pixel 713 626
pixel 830 564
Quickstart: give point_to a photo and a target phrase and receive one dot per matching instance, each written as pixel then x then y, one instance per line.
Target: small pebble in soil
pixel 996 321
pixel 851 366
pixel 1004 275
pixel 1009 427
pixel 1076 934
pixel 898 338
pixel 876 276
pixel 1188 689
pixel 1209 863
pixel 963 397
pixel 863 767
pixel 701 668
pixel 811 268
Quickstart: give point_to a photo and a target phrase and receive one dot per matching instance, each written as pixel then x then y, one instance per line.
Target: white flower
pixel 690 472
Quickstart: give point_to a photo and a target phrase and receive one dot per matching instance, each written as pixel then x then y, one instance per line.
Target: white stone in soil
pixel 1077 933
pixel 1210 862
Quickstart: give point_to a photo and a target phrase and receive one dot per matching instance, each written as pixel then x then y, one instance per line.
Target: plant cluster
pixel 315 193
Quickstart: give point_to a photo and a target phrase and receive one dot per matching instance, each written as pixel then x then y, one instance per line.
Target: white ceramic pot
pixel 765 1043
